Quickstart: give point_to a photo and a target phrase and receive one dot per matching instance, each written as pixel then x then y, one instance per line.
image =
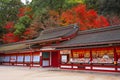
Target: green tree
pixel 108 8
pixel 105 7
pixel 20 28
pixel 41 8
pixel 22 24
pixel 25 20
pixel 8 12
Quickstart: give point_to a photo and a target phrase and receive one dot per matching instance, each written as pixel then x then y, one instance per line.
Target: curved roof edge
pixel 45 36
pixel 107 35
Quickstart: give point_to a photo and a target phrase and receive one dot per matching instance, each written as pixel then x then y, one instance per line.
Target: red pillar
pixel 115 55
pixel 115 59
pixel 9 59
pixel 59 59
pixel 30 59
pixel 23 59
pixel 91 58
pixel 16 58
pixel 40 58
pixel 72 57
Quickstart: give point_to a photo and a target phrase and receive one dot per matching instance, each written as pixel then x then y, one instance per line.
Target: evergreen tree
pixel 105 7
pixel 8 12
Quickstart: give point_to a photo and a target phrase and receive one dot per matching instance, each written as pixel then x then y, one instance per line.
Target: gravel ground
pixel 25 73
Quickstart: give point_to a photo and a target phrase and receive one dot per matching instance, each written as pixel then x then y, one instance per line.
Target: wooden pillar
pixel 16 58
pixel 30 59
pixel 115 56
pixel 40 58
pixel 50 58
pixel 59 59
pixel 72 58
pixel 115 59
pixel 91 58
pixel 9 59
pixel 23 59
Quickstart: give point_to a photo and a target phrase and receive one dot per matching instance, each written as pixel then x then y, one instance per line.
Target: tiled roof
pixel 13 47
pixel 94 37
pixel 46 35
pixel 59 32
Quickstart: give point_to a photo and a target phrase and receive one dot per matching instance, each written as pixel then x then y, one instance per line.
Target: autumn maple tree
pixel 10 37
pixel 15 30
pixel 30 20
pixel 25 11
pixel 9 25
pixel 86 19
pixel 24 21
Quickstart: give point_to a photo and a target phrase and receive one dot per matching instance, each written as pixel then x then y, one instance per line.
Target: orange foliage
pixel 53 13
pixel 86 19
pixel 29 33
pixel 24 10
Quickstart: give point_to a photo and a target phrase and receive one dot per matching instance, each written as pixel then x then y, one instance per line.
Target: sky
pixel 24 1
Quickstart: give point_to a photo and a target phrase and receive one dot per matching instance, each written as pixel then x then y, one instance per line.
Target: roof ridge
pixel 26 41
pixel 76 29
pixel 57 28
pixel 99 30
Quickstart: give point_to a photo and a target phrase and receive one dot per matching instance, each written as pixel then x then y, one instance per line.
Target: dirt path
pixel 24 73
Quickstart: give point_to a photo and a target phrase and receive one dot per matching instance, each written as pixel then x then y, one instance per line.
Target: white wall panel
pixel 20 59
pixel 27 58
pixel 36 58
